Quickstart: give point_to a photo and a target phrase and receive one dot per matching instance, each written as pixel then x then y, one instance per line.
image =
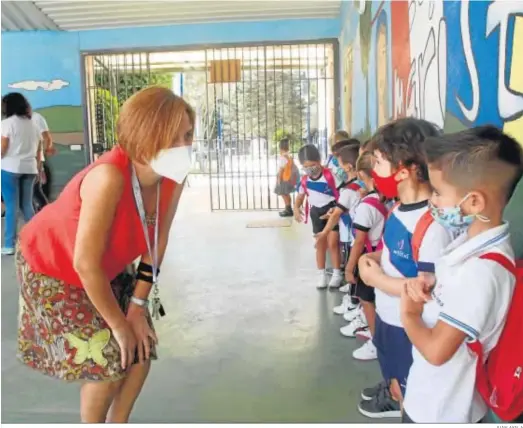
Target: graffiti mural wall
pixel 455 63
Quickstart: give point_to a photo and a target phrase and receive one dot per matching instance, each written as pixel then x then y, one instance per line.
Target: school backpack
pixel 499 379
pixel 290 171
pixel 420 230
pixel 329 178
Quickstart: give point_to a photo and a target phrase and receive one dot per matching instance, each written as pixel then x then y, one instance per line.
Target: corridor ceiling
pixel 93 15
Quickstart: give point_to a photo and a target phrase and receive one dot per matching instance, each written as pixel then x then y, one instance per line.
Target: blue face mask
pixel 341 175
pixel 452 218
pixel 361 184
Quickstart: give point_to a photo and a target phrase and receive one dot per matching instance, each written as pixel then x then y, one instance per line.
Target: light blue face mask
pixel 341 175
pixel 452 218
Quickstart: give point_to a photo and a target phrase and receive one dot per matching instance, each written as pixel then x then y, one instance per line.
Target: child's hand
pixel 349 276
pixel 408 306
pixel 369 270
pixel 419 289
pixel 298 216
pixel 327 215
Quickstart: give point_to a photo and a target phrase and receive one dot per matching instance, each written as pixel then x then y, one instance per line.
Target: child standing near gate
pixel 288 175
pixel 320 187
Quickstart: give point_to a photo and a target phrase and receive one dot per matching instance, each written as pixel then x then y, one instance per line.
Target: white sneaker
pixel 364 334
pixel 323 281
pixel 350 330
pixel 346 306
pixel 336 280
pixel 8 251
pixel 367 352
pixel 350 315
pixel 345 288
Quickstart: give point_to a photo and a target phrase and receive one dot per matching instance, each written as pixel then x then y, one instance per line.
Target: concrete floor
pixel 247 337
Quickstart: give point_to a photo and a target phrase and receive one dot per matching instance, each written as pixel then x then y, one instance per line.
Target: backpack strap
pixel 419 233
pixel 502 260
pixel 353 186
pixel 377 204
pixel 329 178
pixel 303 184
pixel 373 202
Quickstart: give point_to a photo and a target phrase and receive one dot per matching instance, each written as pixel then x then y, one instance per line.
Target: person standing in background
pixel 42 188
pixel 20 164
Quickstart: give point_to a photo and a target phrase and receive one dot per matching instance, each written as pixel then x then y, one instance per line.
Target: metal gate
pixel 246 98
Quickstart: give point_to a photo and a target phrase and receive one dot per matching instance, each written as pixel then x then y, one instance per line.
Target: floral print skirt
pixel 60 332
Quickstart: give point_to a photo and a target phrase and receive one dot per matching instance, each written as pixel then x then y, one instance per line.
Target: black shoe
pixel 369 393
pixel 287 212
pixel 381 406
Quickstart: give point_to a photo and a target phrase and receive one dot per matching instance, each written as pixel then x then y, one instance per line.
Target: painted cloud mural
pixel 33 85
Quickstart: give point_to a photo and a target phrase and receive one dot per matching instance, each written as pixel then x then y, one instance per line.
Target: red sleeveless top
pixel 47 241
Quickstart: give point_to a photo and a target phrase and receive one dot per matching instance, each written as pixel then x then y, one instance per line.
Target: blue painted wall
pixel 455 63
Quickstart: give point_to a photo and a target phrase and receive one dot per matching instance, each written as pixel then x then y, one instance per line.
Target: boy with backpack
pixel 367 228
pixel 320 187
pixel 412 241
pixel 465 338
pixel 288 176
pixel 341 215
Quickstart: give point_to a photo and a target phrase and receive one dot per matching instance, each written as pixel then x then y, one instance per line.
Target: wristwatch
pixel 139 302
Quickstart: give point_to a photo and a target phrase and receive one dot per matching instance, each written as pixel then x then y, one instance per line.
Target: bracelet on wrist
pixel 139 302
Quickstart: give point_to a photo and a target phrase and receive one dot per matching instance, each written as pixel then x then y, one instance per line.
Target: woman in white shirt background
pixel 20 164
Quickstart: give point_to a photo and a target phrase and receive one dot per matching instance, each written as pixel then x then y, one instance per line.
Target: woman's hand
pixel 136 315
pixel 127 342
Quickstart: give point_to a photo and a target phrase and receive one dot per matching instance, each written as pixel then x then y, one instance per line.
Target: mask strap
pixel 480 217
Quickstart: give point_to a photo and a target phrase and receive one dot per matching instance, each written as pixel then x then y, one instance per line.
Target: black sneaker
pixel 381 406
pixel 369 393
pixel 287 212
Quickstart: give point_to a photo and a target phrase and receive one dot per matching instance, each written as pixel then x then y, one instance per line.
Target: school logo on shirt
pixel 436 294
pixel 400 251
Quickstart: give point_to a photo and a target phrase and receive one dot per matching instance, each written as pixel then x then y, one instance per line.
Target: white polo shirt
pixel 348 201
pixel 369 219
pixel 319 191
pixel 24 137
pixel 472 295
pixel 396 258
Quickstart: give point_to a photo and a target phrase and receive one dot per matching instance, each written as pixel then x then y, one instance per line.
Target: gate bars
pixel 282 90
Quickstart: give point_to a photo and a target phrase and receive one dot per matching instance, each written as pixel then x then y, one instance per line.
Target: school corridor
pixel 248 338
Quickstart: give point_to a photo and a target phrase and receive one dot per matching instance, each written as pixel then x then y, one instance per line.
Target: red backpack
pixel 499 379
pixel 329 178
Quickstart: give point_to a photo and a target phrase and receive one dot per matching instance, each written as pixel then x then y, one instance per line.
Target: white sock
pixel 321 271
pixel 336 272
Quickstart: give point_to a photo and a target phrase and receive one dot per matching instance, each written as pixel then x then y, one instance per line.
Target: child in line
pixel 367 226
pixel 473 174
pixel 288 176
pixel 341 215
pixel 320 187
pixel 332 160
pixel 399 171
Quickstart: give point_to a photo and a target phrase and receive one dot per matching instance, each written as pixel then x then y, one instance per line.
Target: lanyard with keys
pixel 157 307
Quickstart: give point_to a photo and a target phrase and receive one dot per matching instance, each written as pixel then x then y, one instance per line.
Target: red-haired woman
pixel 81 319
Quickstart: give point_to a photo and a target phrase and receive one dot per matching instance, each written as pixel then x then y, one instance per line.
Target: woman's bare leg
pixel 124 400
pixel 95 400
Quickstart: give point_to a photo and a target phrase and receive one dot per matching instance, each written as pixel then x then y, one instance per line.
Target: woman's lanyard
pixel 153 250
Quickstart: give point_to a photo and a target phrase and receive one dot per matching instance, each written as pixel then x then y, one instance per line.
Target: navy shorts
pixel 394 352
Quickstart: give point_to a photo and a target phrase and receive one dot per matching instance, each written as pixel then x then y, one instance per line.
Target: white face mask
pixel 173 163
